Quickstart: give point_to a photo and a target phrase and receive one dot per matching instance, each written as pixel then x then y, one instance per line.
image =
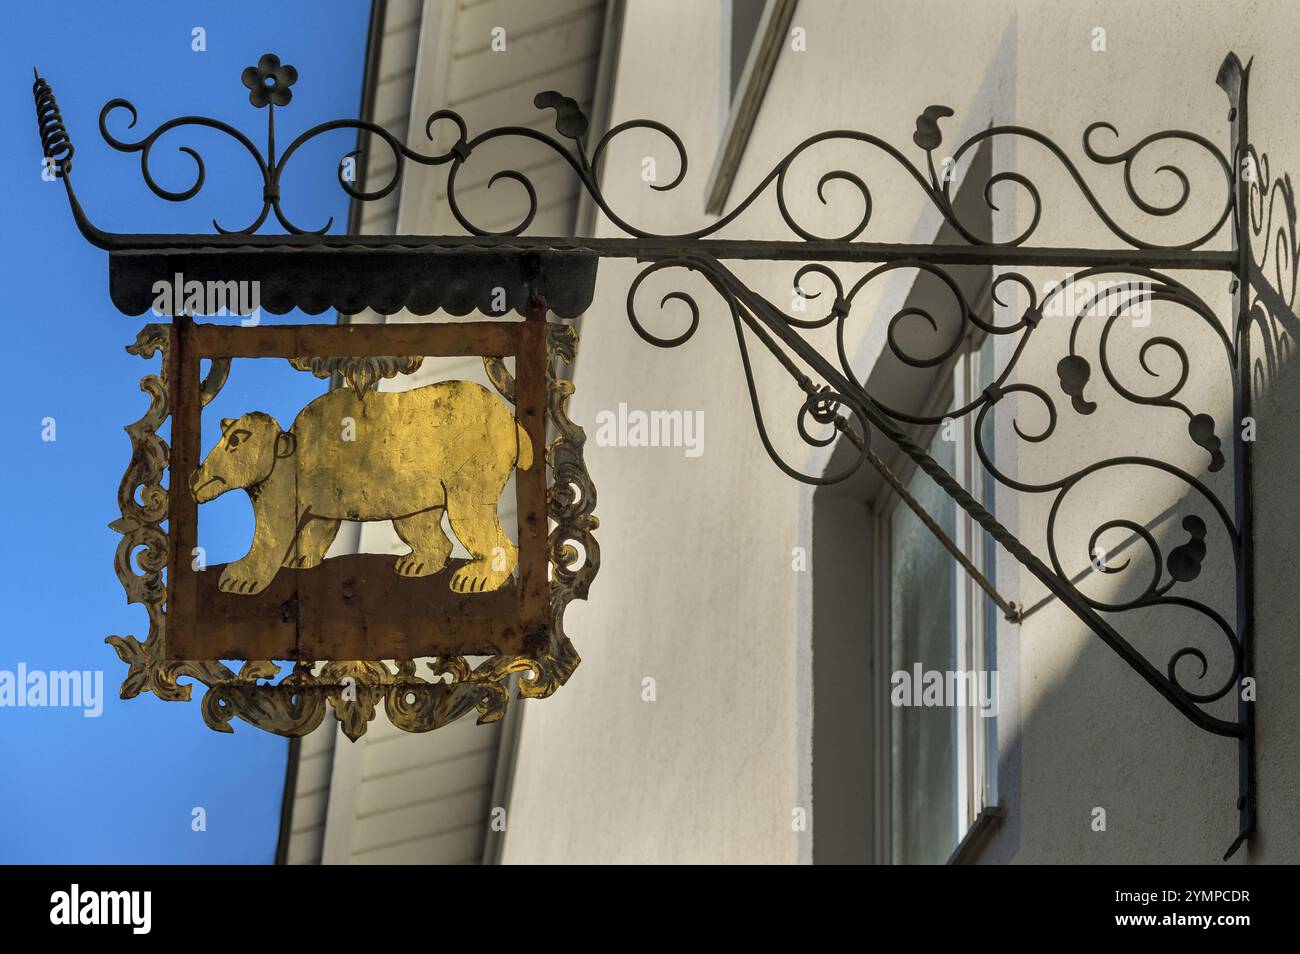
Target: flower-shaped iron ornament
pixel 268 82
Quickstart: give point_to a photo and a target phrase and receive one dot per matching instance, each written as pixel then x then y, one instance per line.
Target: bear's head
pixel 244 457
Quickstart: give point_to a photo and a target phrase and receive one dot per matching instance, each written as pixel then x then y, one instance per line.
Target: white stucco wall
pixel 696 589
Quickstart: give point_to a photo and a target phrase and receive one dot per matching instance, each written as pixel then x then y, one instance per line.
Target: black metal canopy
pixel 348 278
pixel 313 271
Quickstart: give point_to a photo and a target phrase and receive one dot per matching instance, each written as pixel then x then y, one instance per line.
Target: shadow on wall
pixel 1276 328
pixel 1273 273
pixel 1178 804
pixel 1097 735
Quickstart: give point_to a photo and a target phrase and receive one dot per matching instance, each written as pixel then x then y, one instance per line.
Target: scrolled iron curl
pixel 586 166
pixel 1154 287
pixel 1153 594
pixel 685 298
pixel 937 191
pixel 844 300
pixel 1150 286
pixel 1125 157
pixel 400 153
pixel 841 303
pixel 840 312
pixel 271 174
pixel 814 407
pixel 145 146
pixel 967 317
pixel 821 407
pixel 587 169
pixel 1070 480
pixel 1094 541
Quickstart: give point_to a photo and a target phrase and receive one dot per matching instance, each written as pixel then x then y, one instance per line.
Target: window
pixel 942 626
pixel 908 783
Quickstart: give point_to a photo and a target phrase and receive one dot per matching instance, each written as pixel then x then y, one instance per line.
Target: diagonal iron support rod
pixel 1058 587
pixel 1008 608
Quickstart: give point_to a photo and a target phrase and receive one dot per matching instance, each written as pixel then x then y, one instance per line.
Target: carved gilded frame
pixel 296 704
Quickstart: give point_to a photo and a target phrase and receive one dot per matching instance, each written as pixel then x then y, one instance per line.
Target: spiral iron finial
pixel 54 135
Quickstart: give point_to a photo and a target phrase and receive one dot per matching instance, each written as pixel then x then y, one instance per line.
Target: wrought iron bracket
pixel 312 270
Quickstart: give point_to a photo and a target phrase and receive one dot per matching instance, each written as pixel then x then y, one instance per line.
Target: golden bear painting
pixel 405 456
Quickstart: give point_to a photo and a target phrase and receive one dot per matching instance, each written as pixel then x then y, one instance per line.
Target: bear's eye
pixel 233 439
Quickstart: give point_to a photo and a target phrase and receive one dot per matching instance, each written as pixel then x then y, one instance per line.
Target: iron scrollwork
pixel 760 317
pixel 1192 690
pixel 935 181
pixel 271 168
pixel 835 398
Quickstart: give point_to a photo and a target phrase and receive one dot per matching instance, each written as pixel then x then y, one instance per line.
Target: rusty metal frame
pixel 414 700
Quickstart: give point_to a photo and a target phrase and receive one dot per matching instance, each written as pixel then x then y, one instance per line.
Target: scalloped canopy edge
pixel 315 279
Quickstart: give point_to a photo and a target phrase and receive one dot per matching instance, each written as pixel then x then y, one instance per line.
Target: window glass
pixel 923 634
pixel 990 564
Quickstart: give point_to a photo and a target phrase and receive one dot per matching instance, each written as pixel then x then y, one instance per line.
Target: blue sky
pixel 122 787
